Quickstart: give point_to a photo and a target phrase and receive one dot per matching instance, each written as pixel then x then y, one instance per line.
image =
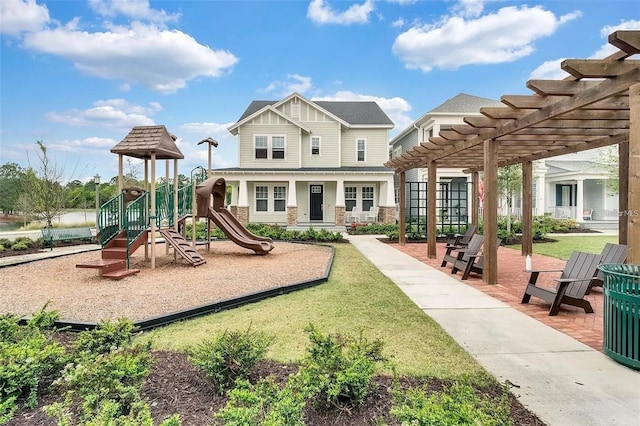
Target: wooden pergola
pixel 597 105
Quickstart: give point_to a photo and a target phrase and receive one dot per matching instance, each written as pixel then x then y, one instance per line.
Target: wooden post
pixel 120 173
pixel 167 176
pixel 431 209
pixel 633 209
pixel 475 197
pixel 490 212
pixel 527 208
pixel 146 188
pixel 152 214
pixel 623 189
pixel 402 214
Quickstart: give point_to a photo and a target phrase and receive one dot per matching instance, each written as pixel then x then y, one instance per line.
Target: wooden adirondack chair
pixel 611 253
pixel 462 239
pixel 470 262
pixel 460 251
pixel 571 286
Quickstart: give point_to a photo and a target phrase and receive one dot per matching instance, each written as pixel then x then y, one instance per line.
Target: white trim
pixel 358 139
pixel 319 138
pixel 269 147
pixel 235 127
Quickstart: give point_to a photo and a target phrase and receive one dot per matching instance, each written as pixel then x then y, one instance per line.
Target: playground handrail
pixel 110 219
pixel 136 219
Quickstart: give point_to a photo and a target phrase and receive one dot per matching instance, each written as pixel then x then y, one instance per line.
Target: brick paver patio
pixel 512 280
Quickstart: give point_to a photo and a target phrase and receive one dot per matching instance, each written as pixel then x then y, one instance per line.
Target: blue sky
pixel 78 75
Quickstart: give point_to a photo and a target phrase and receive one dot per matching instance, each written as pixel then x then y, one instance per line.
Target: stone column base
pixel 387 214
pixel 292 215
pixel 340 215
pixel 242 214
pixel 234 210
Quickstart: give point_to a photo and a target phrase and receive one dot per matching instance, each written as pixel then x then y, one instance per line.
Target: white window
pixel 361 149
pixel 277 147
pixel 315 145
pixel 262 198
pixel 397 152
pixel 350 197
pixel 279 198
pixel 261 146
pixel 367 198
pixel 269 147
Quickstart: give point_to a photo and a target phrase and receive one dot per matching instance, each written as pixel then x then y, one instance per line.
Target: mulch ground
pixel 176 386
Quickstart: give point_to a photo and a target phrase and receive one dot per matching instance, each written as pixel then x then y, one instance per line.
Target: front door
pixel 315 201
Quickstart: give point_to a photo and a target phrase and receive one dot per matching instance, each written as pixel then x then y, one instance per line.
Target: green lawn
pixel 357 297
pixel 564 245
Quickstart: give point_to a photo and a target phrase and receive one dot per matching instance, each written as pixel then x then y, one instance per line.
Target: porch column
pixel 490 212
pixel 402 224
pixel 527 208
pixel 340 204
pixel 475 197
pixel 242 212
pixel 579 199
pixel 633 208
pixel 389 212
pixel 431 210
pixel 292 203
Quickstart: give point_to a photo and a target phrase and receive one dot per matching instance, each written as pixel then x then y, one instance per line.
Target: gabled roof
pixel 461 104
pixel 365 113
pixel 349 113
pixel 234 128
pixel 575 166
pixel 142 141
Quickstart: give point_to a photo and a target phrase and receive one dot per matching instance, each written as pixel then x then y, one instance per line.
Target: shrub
pixel 337 370
pixel 26 240
pixel 1 248
pixel 264 403
pixel 6 242
pixel 19 246
pixel 113 378
pixel 457 405
pixel 106 337
pixel 29 359
pixel 230 356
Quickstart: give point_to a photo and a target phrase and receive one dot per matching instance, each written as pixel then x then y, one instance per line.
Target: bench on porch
pixel 52 235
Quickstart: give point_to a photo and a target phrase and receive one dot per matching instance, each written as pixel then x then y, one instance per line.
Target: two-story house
pixel 311 163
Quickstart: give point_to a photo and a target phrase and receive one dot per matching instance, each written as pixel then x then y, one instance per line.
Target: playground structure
pixel 132 218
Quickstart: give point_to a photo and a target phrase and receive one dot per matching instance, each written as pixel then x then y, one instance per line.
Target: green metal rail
pixel 110 219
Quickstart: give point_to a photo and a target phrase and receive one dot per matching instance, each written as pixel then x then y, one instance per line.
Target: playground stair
pixel 113 264
pixel 182 246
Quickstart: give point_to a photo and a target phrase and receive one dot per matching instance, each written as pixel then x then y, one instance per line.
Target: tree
pixel 46 192
pixel 11 186
pixel 611 161
pixel 509 185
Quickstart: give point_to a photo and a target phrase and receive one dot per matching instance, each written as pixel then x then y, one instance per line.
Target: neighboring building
pixel 453 189
pixel 575 186
pixel 304 162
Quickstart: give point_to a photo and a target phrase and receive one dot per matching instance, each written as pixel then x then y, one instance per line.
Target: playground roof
pixel 142 141
pixel 588 109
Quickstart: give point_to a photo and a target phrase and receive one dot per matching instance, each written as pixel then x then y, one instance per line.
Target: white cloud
pixel 503 36
pixel 550 70
pixel 469 8
pixel 215 130
pixel 607 49
pixel 320 12
pixel 82 145
pixel 396 108
pixel 18 16
pixel 135 9
pixel 398 23
pixel 293 83
pixel 111 114
pixel 162 60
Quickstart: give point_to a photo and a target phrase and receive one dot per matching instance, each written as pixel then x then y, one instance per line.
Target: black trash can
pixel 621 315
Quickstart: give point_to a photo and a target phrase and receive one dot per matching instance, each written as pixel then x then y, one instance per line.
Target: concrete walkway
pixel 47 254
pixel 560 379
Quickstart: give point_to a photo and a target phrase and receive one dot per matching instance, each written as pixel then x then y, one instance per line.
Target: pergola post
pixel 623 188
pixel 490 212
pixel 475 197
pixel 431 210
pixel 402 215
pixel 633 209
pixel 527 208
